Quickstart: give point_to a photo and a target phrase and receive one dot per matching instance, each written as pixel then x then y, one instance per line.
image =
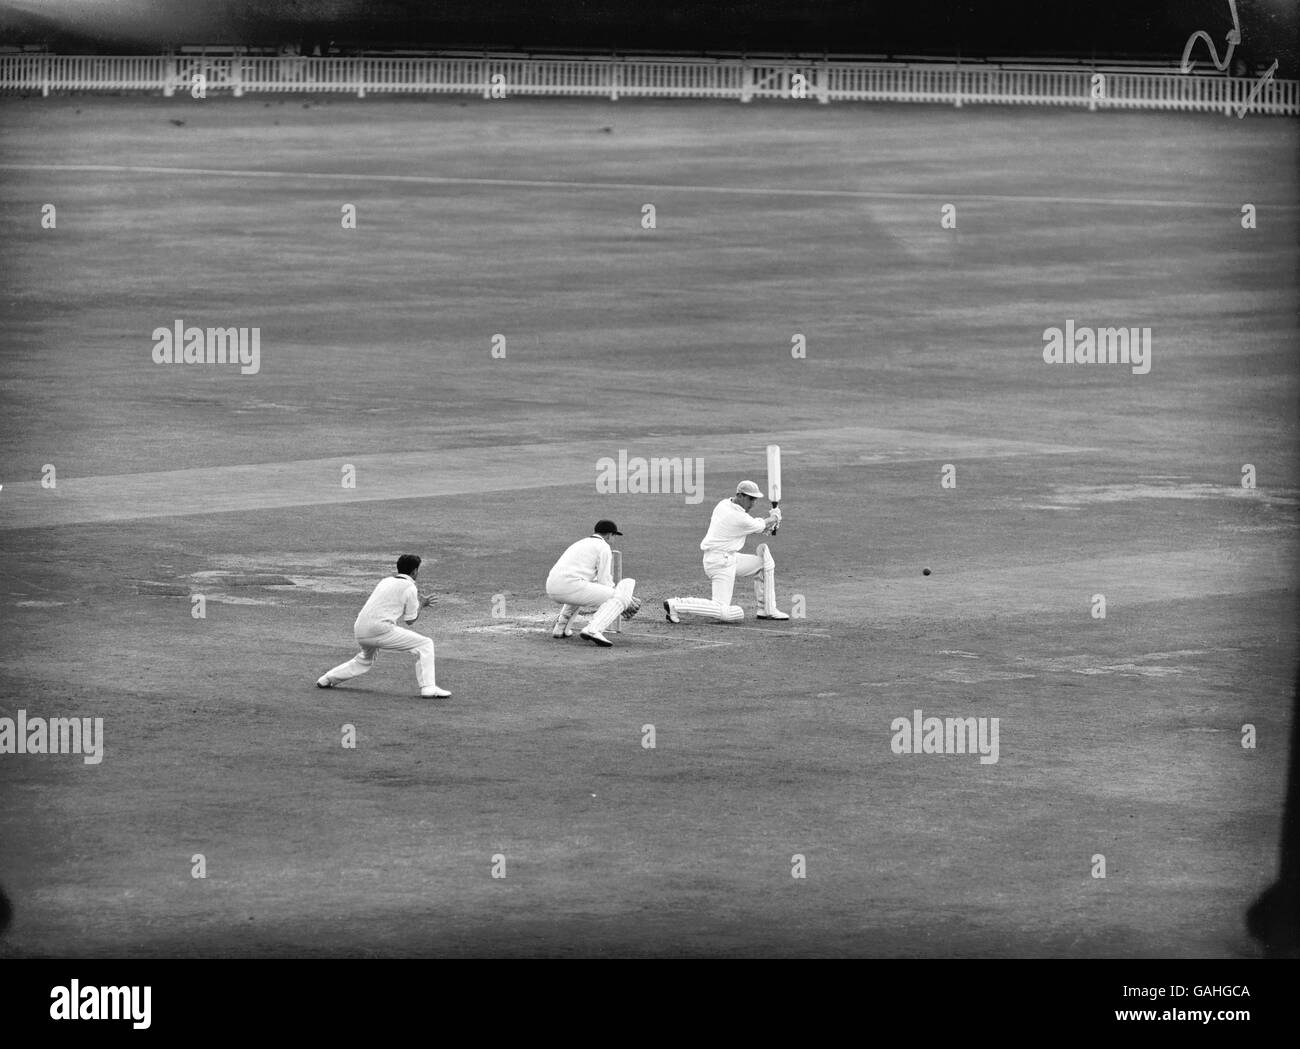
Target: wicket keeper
pixel 583 577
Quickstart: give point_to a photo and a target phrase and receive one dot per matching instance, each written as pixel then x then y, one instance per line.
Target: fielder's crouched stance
pixel 724 563
pixel 376 627
pixel 583 577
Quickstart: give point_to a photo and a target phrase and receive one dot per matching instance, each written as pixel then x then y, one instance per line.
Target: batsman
pixel 724 562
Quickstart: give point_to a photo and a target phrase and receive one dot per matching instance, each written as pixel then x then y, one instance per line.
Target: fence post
pixel 169 78
pixel 614 70
pixel 824 95
pixel 45 79
pixel 746 75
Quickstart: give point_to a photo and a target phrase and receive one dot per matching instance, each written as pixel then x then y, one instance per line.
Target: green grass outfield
pixel 1119 737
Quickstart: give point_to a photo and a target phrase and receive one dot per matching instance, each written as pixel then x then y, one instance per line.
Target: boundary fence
pixel 746 80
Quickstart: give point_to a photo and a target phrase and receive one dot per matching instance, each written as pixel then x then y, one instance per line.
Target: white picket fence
pixel 1021 83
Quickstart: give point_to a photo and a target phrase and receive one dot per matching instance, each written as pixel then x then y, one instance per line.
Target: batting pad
pixel 708 609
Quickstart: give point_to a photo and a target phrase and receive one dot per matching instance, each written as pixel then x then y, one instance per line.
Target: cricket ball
pixel 925 571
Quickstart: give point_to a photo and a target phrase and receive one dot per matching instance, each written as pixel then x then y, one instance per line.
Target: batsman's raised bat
pixel 774 478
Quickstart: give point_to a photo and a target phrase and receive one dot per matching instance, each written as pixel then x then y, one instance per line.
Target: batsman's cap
pixel 749 488
pixel 607 528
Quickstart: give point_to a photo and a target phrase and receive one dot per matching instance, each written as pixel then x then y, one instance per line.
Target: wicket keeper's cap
pixel 749 488
pixel 604 527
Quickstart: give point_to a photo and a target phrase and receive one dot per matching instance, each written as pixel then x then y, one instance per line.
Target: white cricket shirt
pixel 729 527
pixel 588 560
pixel 393 597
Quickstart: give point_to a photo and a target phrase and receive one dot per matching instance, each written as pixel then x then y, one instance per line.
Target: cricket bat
pixel 774 478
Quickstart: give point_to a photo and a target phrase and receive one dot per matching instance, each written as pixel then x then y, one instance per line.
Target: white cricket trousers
pixel 723 569
pixel 609 601
pixel 396 639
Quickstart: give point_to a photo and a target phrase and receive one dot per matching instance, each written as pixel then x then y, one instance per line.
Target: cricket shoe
pixel 434 693
pixel 597 638
pixel 324 682
pixel 561 629
pixel 669 614
pixel 776 614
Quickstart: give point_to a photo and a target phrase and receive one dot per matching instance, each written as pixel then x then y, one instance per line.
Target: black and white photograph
pixel 396 560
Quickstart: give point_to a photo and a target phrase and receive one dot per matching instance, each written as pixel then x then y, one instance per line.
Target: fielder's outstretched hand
pixel 432 599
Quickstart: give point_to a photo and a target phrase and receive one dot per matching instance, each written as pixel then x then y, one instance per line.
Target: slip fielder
pixel 376 628
pixel 583 577
pixel 724 562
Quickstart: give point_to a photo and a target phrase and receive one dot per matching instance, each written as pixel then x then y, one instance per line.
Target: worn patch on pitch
pixel 321 572
pixel 1147 664
pixel 1068 496
pixel 502 627
pixel 240 579
pixel 972 676
pixel 540 626
pixel 218 598
pixel 158 588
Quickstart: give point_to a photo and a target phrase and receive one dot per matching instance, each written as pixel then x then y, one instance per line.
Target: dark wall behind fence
pixel 1155 29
